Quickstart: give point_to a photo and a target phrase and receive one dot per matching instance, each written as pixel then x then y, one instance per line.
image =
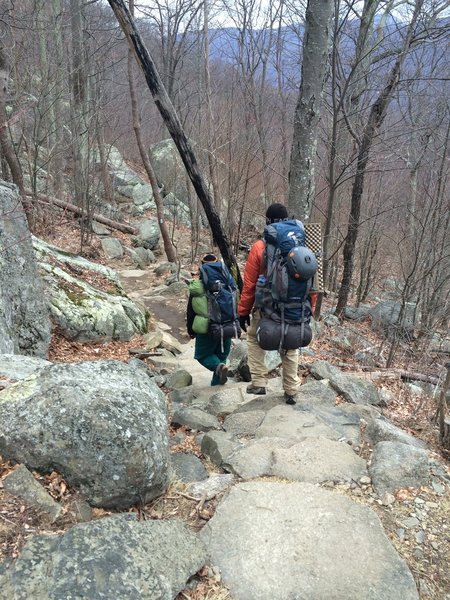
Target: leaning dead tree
pixel 176 131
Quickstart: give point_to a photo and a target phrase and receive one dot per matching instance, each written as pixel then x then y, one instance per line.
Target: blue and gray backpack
pixel 282 293
pixel 221 292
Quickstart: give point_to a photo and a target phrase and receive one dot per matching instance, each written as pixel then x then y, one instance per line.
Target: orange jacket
pixel 253 269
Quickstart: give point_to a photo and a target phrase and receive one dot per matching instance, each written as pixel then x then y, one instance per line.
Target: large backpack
pixel 221 293
pixel 283 293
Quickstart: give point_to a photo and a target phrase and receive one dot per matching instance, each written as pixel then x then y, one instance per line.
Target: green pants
pixel 208 352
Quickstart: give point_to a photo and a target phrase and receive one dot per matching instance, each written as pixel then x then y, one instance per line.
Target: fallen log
pixel 77 211
pixel 386 373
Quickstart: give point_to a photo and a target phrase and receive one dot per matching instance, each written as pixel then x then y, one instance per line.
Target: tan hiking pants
pixel 258 370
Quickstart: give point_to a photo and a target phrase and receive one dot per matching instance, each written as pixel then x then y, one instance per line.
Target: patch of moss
pixel 75 294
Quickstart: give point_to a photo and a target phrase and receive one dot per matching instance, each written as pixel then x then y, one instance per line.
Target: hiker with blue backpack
pixel 279 296
pixel 212 316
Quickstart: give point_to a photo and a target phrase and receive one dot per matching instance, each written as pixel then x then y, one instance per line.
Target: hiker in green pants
pixel 208 352
pixel 212 351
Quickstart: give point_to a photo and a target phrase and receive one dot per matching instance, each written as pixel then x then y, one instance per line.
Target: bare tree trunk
pixel 173 124
pixel 6 144
pixel 212 162
pixel 60 158
pixel 376 118
pixel 80 129
pixel 169 248
pixel 307 112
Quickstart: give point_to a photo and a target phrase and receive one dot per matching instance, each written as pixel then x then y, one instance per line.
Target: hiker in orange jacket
pixel 289 358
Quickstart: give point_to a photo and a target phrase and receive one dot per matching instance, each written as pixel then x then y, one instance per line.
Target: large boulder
pixel 24 316
pixel 169 169
pixel 386 318
pixel 331 546
pixel 102 425
pixel 149 233
pixel 354 389
pixel 115 557
pixel 82 311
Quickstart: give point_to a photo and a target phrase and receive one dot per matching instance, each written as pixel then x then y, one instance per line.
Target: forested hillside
pixel 137 141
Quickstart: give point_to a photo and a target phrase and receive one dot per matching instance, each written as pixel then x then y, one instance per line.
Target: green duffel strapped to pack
pixel 200 306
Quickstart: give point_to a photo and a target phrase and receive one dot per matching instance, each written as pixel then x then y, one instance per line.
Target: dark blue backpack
pixel 221 292
pixel 283 299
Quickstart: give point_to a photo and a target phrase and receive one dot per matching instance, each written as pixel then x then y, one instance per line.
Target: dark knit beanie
pixel 209 258
pixel 276 212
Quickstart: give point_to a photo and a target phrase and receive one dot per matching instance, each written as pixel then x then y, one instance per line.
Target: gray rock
pixel 178 288
pixel 357 313
pixel 194 418
pixel 317 460
pixel 238 356
pixel 114 557
pixel 188 468
pixel 316 392
pixel 316 328
pixel 145 255
pixel 272 360
pixel 17 366
pixel 281 421
pixel 112 247
pixel 218 445
pixel 354 389
pixel 149 233
pixel 24 316
pixel 142 194
pixel 342 419
pixel 329 320
pixel 135 258
pixel 81 511
pixel 179 379
pixel 140 365
pixel 315 527
pixel 396 465
pixel 244 423
pixel 411 522
pixel 181 276
pixel 166 267
pixel 363 358
pixel 176 210
pixel 21 483
pixel 385 318
pixel 85 313
pixel 169 169
pixel 414 390
pixel 341 341
pixel 102 425
pixel 82 311
pixel 379 430
pixel 255 459
pixel 214 485
pixel 100 229
pixel 225 402
pixel 184 395
pixel 124 179
pixel 169 342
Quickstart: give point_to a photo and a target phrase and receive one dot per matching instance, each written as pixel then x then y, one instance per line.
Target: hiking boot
pixel 222 373
pixel 289 398
pixel 259 391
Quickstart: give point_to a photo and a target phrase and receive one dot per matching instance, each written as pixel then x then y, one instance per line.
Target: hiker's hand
pixel 244 321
